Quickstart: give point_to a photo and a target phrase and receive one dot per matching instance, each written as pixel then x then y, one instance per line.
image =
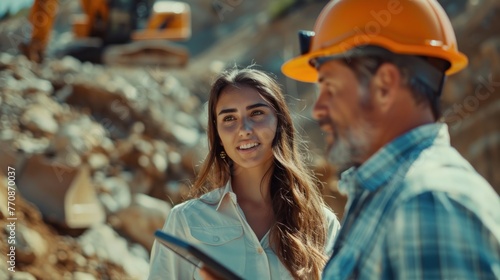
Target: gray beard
pixel 350 149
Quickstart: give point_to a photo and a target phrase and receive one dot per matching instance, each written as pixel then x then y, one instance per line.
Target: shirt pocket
pixel 216 236
pixel 225 244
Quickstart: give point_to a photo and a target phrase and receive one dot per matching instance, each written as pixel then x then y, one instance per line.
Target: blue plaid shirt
pixel 417 210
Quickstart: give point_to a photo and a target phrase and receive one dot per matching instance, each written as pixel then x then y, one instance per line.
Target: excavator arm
pixel 41 17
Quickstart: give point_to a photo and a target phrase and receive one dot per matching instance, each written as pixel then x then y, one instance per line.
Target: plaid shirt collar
pixel 383 165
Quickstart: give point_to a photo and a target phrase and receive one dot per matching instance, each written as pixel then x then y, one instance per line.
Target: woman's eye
pixel 258 112
pixel 228 118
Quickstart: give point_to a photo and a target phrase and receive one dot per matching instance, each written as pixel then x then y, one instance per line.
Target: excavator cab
pixel 120 21
pixel 168 20
pixel 135 32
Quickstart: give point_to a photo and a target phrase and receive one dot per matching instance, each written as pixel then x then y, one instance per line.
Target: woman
pixel 256 206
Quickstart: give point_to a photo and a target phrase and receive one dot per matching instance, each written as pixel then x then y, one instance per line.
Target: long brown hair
pixel 299 234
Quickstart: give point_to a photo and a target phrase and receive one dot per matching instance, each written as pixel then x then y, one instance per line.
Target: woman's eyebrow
pixel 226 111
pixel 249 107
pixel 257 105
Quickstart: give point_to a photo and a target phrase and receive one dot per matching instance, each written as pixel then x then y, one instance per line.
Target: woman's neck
pixel 252 184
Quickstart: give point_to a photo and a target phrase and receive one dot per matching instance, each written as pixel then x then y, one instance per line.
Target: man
pixel 416 209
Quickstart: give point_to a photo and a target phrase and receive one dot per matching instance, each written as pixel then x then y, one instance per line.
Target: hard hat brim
pixel 299 69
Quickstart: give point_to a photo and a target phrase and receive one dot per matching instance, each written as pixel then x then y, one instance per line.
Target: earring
pixel 222 154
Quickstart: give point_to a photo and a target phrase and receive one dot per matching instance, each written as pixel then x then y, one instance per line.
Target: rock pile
pixel 119 141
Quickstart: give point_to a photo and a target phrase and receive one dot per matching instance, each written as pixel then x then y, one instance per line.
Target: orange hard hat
pixel 404 27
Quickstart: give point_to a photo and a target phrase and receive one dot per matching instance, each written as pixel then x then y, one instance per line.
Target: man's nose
pixel 319 109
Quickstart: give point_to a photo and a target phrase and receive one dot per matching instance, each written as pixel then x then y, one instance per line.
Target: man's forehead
pixel 332 70
pixel 327 71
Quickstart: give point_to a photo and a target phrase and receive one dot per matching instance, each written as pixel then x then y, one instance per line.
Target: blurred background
pixel 105 131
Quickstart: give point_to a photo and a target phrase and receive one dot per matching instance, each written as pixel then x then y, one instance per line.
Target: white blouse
pixel 216 225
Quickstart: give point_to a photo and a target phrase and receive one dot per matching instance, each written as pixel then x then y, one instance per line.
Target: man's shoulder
pixel 443 169
pixel 446 174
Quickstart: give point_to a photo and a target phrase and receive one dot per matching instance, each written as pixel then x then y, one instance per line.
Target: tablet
pixel 194 255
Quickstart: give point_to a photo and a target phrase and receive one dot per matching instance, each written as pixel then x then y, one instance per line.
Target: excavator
pixel 129 32
pixel 118 32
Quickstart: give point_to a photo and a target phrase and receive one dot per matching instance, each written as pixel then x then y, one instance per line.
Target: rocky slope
pixel 129 140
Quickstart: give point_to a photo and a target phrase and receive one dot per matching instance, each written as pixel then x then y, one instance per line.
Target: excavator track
pixel 144 53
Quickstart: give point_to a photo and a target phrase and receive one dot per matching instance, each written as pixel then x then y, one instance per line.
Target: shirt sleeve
pixel 164 263
pixel 435 237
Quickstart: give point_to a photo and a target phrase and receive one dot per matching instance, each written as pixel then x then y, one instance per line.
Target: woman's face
pixel 246 124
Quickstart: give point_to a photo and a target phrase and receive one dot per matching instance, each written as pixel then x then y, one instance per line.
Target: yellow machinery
pixel 117 31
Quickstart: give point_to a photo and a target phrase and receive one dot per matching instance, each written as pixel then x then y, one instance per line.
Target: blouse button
pixel 260 250
pixel 216 238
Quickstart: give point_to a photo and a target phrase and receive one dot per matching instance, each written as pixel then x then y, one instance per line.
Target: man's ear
pixel 386 83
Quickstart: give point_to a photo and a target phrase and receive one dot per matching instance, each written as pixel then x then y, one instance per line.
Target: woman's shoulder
pixel 201 212
pixel 332 229
pixel 328 212
pixel 331 219
pixel 210 200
